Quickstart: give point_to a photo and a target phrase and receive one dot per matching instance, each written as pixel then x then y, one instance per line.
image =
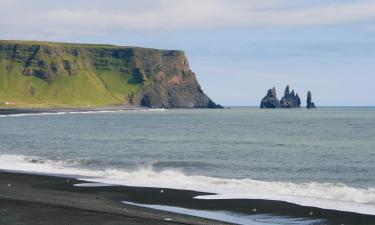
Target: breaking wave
pixel 79 112
pixel 323 195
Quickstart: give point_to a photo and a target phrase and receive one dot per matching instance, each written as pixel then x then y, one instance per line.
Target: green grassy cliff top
pixel 76 45
pixel 50 74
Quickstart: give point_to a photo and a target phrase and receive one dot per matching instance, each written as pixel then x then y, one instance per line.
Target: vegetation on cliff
pixel 45 74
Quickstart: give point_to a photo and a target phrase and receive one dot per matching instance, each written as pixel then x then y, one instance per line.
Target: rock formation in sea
pixel 290 99
pixel 45 74
pixel 270 100
pixel 310 104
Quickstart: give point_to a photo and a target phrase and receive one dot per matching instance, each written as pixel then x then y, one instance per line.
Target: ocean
pixel 323 158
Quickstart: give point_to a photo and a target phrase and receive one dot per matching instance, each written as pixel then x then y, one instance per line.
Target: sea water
pixel 323 157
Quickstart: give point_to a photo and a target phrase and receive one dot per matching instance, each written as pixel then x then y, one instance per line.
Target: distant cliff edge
pixel 46 74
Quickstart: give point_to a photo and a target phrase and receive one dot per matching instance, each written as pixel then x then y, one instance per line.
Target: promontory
pixel 48 74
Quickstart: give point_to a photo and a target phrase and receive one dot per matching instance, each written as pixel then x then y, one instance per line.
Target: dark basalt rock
pixel 270 100
pixel 290 99
pixel 310 104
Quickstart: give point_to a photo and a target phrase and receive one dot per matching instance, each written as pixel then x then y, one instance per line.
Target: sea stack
pixel 270 100
pixel 290 99
pixel 310 104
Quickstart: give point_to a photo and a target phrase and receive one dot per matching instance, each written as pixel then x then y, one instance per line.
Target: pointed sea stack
pixel 290 99
pixel 270 101
pixel 310 104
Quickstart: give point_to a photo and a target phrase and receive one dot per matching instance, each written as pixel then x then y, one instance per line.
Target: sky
pixel 237 48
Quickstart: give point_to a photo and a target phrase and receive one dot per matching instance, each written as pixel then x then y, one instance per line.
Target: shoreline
pixel 14 111
pixel 106 203
pixel 37 199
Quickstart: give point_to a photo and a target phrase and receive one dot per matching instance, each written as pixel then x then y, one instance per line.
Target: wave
pixel 164 164
pixel 79 112
pixel 59 113
pixel 156 109
pixel 322 195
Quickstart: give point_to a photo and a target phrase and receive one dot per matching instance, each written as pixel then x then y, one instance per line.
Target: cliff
pixel 45 74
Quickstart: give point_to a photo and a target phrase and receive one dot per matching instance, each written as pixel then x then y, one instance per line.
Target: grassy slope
pixel 88 88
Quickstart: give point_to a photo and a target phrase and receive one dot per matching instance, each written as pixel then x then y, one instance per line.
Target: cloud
pixel 110 15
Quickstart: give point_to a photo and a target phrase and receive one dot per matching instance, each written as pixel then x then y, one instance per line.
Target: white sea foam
pixel 156 109
pixel 30 114
pixel 59 113
pixel 81 112
pixel 322 195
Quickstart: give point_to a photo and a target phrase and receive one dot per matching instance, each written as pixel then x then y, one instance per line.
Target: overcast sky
pixel 238 48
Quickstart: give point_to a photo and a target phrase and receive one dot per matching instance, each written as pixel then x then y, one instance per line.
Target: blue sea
pixel 323 158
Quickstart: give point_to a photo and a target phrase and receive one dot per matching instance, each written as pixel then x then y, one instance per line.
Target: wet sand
pixel 27 199
pixel 40 199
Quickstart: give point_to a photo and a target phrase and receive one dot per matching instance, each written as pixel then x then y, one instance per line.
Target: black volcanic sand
pixel 39 199
pixel 13 111
pixel 27 199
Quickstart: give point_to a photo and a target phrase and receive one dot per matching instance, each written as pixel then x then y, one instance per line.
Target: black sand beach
pixel 15 111
pixel 38 199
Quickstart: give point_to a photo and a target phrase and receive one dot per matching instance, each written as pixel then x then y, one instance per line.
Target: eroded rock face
pixel 290 99
pixel 270 100
pixel 99 75
pixel 310 104
pixel 172 84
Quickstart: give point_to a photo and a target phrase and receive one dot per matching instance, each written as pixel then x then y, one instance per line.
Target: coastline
pixel 22 194
pixel 40 199
pixel 15 111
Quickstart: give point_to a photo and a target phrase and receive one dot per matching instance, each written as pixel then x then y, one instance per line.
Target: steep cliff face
pixel 43 74
pixel 310 104
pixel 270 101
pixel 290 99
pixel 169 82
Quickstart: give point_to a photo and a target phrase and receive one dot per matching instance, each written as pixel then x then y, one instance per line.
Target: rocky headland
pixel 47 74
